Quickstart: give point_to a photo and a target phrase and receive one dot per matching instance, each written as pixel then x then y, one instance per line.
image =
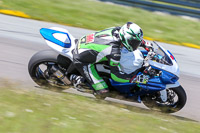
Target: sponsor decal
pixel 65 50
pixel 90 38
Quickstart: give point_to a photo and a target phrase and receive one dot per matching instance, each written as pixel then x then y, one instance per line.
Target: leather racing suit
pixel 97 47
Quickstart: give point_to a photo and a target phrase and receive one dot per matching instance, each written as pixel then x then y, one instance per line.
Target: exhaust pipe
pixel 60 75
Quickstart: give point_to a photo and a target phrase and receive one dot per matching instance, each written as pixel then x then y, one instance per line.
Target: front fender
pixel 176 84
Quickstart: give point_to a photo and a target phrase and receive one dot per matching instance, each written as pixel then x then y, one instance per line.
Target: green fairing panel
pixel 94 73
pixel 103 59
pixel 106 31
pixel 100 86
pixel 93 46
pixel 114 63
pixel 115 78
pixel 98 44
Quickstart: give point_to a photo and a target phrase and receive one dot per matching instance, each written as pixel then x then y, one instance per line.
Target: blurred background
pixel 25 108
pixel 176 21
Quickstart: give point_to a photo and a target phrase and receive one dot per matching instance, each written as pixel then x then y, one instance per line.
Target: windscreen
pixel 161 56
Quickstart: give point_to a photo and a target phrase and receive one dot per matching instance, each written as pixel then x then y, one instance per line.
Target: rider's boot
pixel 77 81
pixel 80 84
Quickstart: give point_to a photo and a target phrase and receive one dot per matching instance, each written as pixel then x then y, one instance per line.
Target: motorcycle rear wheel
pixel 176 101
pixel 38 66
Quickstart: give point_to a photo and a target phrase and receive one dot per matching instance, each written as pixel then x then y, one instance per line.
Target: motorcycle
pixel 49 68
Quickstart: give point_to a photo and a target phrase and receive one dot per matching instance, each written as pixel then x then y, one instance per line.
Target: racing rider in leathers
pixel 102 46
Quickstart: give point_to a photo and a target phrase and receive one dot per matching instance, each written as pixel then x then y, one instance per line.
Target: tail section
pixel 59 39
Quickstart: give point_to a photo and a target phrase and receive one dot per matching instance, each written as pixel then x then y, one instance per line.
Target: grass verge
pixel 26 111
pixel 92 14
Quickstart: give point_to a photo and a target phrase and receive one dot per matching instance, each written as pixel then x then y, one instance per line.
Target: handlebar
pixel 153 56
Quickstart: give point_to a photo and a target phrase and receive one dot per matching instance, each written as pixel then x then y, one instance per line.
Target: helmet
pixel 131 36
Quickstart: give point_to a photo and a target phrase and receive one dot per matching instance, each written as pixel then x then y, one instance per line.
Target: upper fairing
pixel 174 69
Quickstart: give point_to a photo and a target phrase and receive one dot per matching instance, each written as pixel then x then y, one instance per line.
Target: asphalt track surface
pixel 20 39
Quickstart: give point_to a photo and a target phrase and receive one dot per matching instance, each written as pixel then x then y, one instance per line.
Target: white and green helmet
pixel 131 36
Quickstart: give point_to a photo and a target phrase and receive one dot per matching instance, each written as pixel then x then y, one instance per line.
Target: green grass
pixel 25 111
pixel 97 15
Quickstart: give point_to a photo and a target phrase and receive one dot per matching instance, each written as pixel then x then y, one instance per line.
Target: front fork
pixel 163 93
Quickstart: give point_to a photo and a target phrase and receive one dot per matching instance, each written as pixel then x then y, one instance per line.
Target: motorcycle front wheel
pixel 176 99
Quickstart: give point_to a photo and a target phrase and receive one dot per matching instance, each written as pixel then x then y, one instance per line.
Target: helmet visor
pixel 134 43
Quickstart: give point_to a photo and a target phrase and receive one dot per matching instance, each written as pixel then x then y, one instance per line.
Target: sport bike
pixel 162 91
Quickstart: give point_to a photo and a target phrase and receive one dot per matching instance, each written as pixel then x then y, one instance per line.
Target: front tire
pixel 176 101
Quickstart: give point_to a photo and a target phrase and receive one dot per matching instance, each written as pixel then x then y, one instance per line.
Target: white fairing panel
pixel 101 68
pixel 131 61
pixel 176 84
pixel 63 38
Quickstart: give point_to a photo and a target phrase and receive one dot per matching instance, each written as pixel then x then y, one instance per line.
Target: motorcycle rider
pixel 102 46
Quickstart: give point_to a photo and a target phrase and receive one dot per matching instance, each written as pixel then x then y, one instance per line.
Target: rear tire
pixel 45 57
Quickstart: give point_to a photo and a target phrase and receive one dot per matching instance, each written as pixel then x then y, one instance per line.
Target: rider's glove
pixel 151 54
pixel 149 71
pixel 147 45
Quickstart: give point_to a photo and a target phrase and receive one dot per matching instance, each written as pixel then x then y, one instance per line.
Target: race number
pixel 90 38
